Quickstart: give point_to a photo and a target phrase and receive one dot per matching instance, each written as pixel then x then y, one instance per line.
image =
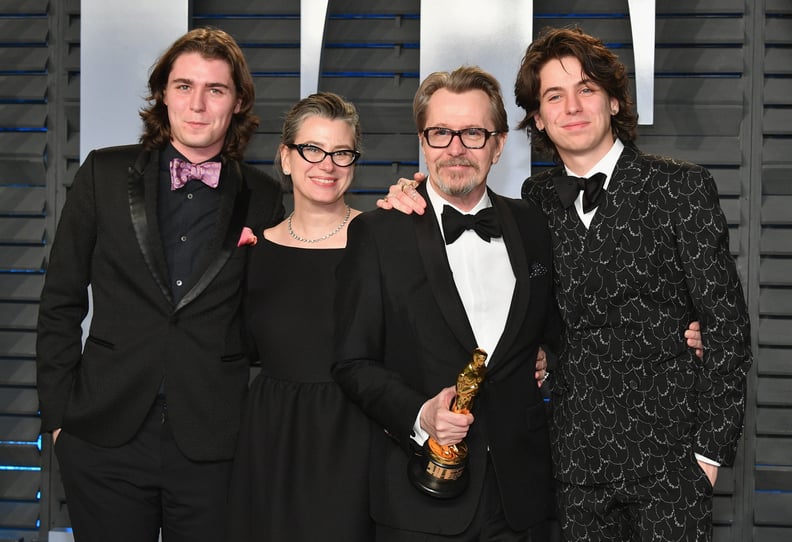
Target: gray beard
pixel 455 191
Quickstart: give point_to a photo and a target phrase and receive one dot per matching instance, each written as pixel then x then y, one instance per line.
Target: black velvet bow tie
pixel 484 223
pixel 569 187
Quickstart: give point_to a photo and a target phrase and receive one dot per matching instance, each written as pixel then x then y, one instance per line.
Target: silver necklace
pixel 322 238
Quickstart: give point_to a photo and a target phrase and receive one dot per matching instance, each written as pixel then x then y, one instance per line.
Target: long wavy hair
pixel 210 43
pixel 599 64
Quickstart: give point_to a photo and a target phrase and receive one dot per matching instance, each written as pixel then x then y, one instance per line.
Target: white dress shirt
pixel 606 165
pixel 484 279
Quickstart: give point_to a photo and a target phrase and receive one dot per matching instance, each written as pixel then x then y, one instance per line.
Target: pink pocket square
pixel 247 237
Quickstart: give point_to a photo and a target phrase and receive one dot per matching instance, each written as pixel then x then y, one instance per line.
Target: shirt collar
pixel 606 164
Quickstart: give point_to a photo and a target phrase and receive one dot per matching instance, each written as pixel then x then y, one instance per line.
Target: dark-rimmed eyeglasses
pixel 471 138
pixel 313 154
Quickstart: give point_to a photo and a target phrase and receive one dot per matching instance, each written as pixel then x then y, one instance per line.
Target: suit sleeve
pixel 711 274
pixel 265 208
pixel 360 339
pixel 64 299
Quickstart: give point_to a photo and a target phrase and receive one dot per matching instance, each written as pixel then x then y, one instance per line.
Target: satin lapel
pixel 518 257
pixel 234 200
pixel 435 262
pixel 614 214
pixel 142 192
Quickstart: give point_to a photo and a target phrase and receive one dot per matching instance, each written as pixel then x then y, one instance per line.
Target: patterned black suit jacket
pixel 630 398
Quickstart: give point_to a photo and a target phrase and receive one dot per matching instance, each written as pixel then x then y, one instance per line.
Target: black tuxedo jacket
pixel 402 335
pixel 108 238
pixel 630 398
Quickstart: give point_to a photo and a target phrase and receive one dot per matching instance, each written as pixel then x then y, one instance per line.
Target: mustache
pixel 458 162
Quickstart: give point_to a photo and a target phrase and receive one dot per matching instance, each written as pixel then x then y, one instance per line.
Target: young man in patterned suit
pixel 640 250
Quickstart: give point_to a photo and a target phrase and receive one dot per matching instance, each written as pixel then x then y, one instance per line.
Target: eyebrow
pixel 183 80
pixel 582 83
pixel 336 148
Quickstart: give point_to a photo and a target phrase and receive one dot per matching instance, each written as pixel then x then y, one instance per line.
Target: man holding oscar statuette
pixel 416 296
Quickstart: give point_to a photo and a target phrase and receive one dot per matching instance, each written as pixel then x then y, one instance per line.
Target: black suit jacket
pixel 630 398
pixel 402 335
pixel 108 238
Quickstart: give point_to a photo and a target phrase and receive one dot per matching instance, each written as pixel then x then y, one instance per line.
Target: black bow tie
pixel 569 187
pixel 484 223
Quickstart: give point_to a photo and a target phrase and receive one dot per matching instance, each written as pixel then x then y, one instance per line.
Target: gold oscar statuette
pixel 439 470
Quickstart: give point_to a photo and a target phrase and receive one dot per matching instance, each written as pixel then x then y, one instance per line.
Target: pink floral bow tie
pixel 181 172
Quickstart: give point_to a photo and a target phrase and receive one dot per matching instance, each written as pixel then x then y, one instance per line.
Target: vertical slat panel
pixel 24 57
pixel 773 473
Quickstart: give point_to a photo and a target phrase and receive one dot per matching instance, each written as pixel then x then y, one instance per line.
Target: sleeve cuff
pixel 418 434
pixel 707 460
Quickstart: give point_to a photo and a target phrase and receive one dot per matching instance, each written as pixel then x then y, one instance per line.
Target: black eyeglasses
pixel 313 154
pixel 471 138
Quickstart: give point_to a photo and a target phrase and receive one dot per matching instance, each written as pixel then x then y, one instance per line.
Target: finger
pixel 407 186
pixel 385 203
pixel 402 183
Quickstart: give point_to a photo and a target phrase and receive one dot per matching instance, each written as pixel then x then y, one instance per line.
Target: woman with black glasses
pixel 301 468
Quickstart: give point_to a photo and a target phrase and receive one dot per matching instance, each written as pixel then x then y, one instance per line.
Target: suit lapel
pixel 565 225
pixel 231 216
pixel 614 214
pixel 435 262
pixel 142 192
pixel 518 257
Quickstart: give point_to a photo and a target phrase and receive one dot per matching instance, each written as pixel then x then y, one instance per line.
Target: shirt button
pixel 178 283
pixel 183 238
pixel 190 196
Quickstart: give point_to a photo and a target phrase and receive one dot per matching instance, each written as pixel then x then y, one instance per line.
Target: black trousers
pixel 673 506
pixel 129 493
pixel 488 524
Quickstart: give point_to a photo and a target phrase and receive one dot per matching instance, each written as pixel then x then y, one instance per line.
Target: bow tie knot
pixel 568 188
pixel 484 223
pixel 183 171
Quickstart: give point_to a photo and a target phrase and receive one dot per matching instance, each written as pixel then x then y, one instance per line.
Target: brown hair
pixel 210 43
pixel 599 64
pixel 462 79
pixel 326 105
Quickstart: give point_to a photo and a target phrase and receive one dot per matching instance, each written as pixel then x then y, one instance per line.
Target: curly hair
pixel 326 105
pixel 462 79
pixel 210 43
pixel 599 64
